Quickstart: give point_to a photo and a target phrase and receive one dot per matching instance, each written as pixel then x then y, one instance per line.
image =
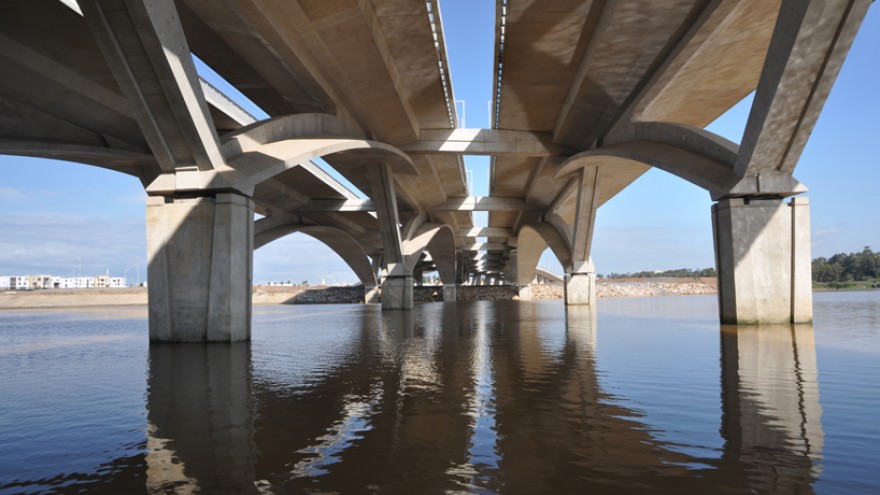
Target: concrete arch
pixel 439 240
pixel 269 160
pixel 531 242
pixel 340 242
pixel 123 161
pixel 285 127
pixel 695 155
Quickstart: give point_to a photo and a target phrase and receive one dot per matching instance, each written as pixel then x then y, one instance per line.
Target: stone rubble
pixel 353 295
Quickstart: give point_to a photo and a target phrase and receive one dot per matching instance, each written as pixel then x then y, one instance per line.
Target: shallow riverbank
pixel 262 295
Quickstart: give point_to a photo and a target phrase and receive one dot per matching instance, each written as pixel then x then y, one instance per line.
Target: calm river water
pixel 645 395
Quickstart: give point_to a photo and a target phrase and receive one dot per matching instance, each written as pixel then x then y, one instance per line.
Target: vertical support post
pixel 200 254
pixel 371 295
pixel 580 288
pixel 762 256
pixel 801 261
pixel 580 282
pixel 397 288
pixel 450 293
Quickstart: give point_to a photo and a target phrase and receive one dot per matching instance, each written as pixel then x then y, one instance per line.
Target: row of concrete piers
pixel 114 84
pixel 201 259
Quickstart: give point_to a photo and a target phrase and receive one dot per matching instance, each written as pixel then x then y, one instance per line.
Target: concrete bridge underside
pixel 587 98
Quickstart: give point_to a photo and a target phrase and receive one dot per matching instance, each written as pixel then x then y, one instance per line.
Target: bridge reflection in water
pixel 485 397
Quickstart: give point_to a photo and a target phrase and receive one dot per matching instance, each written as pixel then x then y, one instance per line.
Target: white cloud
pixel 55 242
pixel 10 194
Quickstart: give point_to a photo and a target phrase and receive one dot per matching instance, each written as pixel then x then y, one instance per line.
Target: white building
pixel 29 282
pixel 39 281
pixel 14 282
pixel 108 282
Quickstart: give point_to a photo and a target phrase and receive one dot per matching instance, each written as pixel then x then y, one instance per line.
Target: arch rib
pixel 439 240
pixel 340 242
pixel 531 242
pixel 695 155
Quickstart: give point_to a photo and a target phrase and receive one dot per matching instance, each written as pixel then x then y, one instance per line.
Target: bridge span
pixel 588 96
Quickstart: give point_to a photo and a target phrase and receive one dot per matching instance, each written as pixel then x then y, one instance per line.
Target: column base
pixel 200 254
pixel 371 295
pixel 524 293
pixel 450 293
pixel 580 289
pixel 397 292
pixel 762 255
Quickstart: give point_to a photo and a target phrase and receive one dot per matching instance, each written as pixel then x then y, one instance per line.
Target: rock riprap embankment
pixel 348 295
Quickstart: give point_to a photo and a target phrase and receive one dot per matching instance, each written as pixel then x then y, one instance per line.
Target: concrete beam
pixel 486 142
pixel 337 205
pixel 483 203
pixel 484 246
pixel 225 104
pixel 485 232
pixel 144 45
pixel 808 47
pixel 585 218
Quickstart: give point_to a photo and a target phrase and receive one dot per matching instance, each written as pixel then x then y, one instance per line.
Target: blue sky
pixel 56 216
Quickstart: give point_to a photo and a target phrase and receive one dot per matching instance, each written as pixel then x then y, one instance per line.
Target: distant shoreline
pixel 271 295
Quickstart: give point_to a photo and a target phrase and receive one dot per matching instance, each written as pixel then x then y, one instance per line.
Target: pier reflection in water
pixel 483 397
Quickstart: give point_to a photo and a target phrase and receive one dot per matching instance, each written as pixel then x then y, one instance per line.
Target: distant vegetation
pixel 680 272
pixel 841 271
pixel 851 270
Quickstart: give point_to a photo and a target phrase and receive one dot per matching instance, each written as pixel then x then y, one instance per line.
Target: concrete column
pixel 580 289
pixel 371 295
pixel 200 255
pixel 762 255
pixel 450 293
pixel 397 288
pixel 397 292
pixel 461 275
pixel 525 293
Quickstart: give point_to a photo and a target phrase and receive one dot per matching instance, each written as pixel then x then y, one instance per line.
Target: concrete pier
pixel 397 292
pixel 450 293
pixel 580 289
pixel 762 253
pixel 113 84
pixel 200 254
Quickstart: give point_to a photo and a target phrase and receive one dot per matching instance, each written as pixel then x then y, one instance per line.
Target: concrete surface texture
pixel 588 97
pixel 764 269
pixel 200 254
